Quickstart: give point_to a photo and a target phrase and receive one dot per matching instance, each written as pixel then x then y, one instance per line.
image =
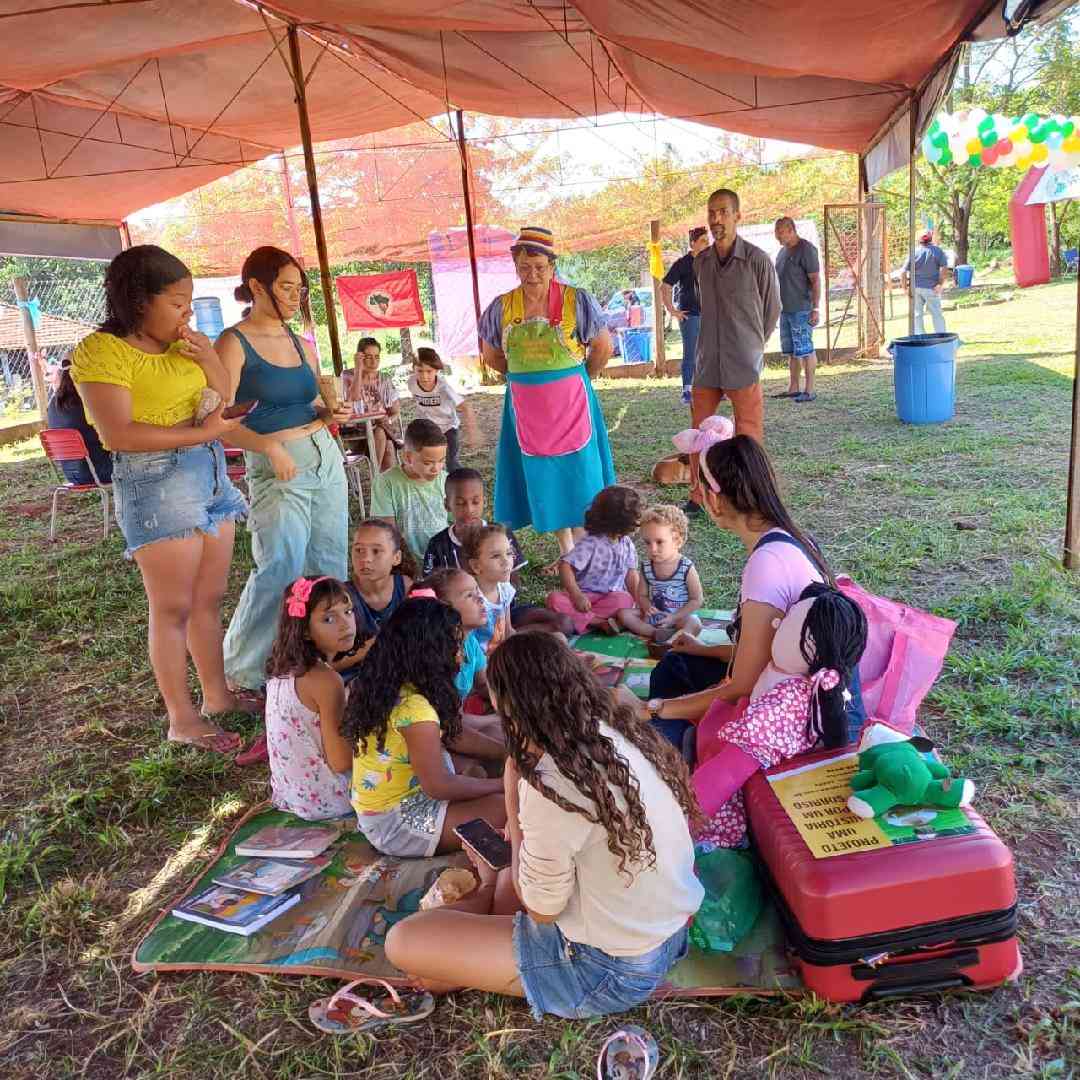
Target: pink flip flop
pixel 345 1013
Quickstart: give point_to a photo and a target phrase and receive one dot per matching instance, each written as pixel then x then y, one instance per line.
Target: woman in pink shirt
pixel 741 497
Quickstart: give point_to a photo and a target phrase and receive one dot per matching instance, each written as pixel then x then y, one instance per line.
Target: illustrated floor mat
pixel 338 928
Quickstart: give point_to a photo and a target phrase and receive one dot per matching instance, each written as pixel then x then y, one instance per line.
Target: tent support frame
pixel 470 234
pixel 300 84
pixel 1072 512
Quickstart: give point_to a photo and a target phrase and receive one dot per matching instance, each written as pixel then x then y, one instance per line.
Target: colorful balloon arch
pixel 989 140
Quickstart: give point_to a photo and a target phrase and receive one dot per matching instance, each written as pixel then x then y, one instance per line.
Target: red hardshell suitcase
pixel 935 915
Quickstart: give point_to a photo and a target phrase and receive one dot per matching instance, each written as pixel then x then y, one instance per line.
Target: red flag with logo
pixel 380 301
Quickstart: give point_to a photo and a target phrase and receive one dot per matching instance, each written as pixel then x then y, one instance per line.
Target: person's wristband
pixel 654 706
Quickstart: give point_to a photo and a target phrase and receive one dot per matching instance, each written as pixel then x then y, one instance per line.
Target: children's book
pixel 621 646
pixel 234 910
pixel 636 677
pixel 271 877
pixel 284 843
pixel 714 624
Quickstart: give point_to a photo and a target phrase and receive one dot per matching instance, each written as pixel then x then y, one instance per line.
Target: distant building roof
pixel 55 330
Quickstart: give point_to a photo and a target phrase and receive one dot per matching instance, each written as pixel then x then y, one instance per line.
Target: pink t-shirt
pixel 776 574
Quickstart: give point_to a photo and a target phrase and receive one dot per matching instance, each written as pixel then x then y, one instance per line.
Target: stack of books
pixel 255 892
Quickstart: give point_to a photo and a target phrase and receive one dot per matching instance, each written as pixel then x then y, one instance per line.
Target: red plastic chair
pixel 66 444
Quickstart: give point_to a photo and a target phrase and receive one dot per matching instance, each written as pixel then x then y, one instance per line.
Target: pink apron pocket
pixel 553 418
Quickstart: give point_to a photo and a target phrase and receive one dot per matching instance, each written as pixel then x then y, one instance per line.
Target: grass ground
pixel 101 824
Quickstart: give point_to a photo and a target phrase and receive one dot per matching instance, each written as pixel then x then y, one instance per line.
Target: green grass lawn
pixel 101 824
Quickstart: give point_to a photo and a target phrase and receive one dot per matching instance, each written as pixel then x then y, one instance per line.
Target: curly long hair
pixel 548 697
pixel 616 511
pixel 294 652
pixel 745 476
pixel 419 645
pixel 133 279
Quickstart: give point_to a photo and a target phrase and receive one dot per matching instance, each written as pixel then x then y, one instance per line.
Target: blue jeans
pixel 928 298
pixel 566 978
pixel 689 328
pixel 297 528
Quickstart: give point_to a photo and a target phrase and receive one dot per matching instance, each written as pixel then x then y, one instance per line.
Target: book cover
pixel 234 910
pixel 271 877
pixel 283 843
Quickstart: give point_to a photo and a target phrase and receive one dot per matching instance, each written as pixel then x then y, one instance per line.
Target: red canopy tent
pixel 107 107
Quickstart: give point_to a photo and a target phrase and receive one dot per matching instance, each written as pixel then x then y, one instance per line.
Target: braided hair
pixel 550 699
pixel 833 636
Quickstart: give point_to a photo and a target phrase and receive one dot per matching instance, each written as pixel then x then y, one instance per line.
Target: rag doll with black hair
pixel 797 703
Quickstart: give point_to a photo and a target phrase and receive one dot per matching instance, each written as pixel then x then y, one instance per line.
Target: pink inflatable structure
pixel 1027 231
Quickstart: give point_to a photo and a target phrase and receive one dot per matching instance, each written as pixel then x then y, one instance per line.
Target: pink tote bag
pixel 905 648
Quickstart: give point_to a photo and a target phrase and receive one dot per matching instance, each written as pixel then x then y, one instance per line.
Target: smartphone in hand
pixel 239 410
pixel 486 842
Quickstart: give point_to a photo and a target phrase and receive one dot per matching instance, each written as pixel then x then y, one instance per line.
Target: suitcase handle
pixel 917 974
pixel 959 982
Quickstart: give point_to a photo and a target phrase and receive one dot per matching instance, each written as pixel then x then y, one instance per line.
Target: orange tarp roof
pixel 109 107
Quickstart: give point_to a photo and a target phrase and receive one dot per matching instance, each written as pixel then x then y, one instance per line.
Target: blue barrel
pixel 924 377
pixel 208 317
pixel 964 276
pixel 636 345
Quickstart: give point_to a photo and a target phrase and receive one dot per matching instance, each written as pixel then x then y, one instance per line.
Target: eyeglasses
pixel 294 292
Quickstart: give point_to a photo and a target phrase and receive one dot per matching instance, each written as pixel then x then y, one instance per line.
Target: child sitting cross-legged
pixel 403 718
pixel 592 912
pixel 599 574
pixel 465 502
pixel 670 590
pixel 310 759
pixel 412 495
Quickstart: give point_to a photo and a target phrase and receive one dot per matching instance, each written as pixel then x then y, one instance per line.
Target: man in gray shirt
pixel 740 306
pixel 930 267
pixel 799 271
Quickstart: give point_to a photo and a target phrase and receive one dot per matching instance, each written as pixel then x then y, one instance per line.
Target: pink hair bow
pixel 825 679
pixel 713 429
pixel 299 595
pixel 423 594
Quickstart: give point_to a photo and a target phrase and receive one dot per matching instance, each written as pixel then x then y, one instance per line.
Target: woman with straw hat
pixel 549 339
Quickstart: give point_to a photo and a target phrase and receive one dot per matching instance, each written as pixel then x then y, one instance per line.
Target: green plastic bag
pixel 733 899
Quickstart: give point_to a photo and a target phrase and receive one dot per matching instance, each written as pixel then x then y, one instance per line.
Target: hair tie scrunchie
pixel 825 679
pixel 299 595
pixel 423 594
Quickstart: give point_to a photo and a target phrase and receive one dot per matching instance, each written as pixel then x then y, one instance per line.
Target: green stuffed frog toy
pixel 893 772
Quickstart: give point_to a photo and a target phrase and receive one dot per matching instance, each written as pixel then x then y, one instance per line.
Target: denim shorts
pixel 575 981
pixel 170 494
pixel 796 333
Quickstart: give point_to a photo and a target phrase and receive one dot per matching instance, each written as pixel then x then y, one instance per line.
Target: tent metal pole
pixel 313 190
pixel 463 151
pixel 660 366
pixel 1072 511
pixel 33 355
pixel 913 127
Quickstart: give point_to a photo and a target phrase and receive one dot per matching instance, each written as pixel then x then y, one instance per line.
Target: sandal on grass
pixel 216 741
pixel 345 1013
pixel 257 752
pixel 249 702
pixel 786 394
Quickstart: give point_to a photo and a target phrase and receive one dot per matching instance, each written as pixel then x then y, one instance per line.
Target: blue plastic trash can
pixel 964 276
pixel 924 377
pixel 636 345
pixel 208 317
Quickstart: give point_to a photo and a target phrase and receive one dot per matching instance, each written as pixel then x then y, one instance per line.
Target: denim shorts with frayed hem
pixel 568 979
pixel 171 494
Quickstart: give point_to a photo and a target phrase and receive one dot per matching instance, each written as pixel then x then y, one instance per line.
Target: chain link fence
pixel 63 310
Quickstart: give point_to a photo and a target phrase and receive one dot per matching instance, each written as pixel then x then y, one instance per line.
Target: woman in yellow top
pixel 402 716
pixel 141 377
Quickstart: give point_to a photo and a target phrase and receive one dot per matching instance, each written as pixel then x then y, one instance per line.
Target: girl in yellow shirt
pixel 141 377
pixel 403 715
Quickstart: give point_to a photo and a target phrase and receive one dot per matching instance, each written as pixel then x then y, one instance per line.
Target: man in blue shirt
pixel 930 267
pixel 685 308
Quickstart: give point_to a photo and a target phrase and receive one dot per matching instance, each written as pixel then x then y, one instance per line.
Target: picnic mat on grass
pixel 338 928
